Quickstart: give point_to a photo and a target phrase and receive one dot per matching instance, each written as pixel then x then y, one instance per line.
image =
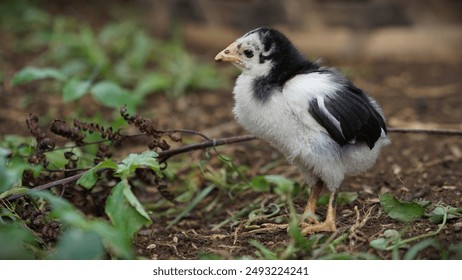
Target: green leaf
pixel 13 191
pixel 284 186
pixel 342 198
pixel 121 212
pixel 151 83
pixel 457 250
pixel 112 95
pixel 134 202
pixel 265 253
pixel 259 183
pixel 116 241
pixel 91 48
pixel 89 179
pixel 29 74
pixel 436 216
pixel 133 161
pixel 423 202
pixel 57 159
pixel 75 89
pixel 346 197
pixel 422 245
pixel 15 240
pixel 401 211
pixel 9 175
pixel 139 53
pixel 297 236
pixel 391 237
pixel 379 243
pixel 76 244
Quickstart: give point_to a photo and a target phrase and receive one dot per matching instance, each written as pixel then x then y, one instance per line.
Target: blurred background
pixel 345 29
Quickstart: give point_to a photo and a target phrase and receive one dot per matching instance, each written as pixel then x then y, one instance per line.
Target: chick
pixel 313 115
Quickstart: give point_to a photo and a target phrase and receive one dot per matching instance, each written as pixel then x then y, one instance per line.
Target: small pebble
pixel 151 246
pixel 458 226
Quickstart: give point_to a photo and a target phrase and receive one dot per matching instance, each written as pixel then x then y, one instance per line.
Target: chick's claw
pixel 308 229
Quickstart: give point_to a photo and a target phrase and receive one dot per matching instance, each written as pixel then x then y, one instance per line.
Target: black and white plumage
pixel 315 116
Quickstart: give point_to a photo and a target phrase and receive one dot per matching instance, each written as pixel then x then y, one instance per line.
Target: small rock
pixel 396 169
pixel 458 226
pixel 151 246
pixel 455 150
pixel 368 189
pixel 384 189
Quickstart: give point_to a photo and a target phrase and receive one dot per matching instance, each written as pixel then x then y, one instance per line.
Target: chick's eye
pixel 248 53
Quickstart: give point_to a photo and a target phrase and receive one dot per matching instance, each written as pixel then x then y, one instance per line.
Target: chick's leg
pixel 310 207
pixel 329 224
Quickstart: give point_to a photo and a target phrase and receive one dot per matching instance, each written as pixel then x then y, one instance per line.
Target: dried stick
pixel 164 155
pixel 425 131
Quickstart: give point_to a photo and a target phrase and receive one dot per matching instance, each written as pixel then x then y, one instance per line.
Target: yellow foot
pixel 319 227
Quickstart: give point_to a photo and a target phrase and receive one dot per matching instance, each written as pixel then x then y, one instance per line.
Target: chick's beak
pixel 229 54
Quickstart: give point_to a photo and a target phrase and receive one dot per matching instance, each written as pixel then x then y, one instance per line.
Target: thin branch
pixel 425 131
pixel 163 156
pixel 188 131
pixel 49 185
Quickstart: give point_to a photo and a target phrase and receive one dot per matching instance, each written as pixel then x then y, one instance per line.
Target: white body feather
pixel 284 121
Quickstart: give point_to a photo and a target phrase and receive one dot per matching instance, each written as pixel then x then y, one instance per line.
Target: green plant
pixel 393 240
pixel 117 65
pixel 30 162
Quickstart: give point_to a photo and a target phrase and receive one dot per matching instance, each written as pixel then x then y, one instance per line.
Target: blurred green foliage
pixel 118 63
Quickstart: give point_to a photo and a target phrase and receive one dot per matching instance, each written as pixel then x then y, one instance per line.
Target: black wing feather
pixel 323 120
pixel 358 118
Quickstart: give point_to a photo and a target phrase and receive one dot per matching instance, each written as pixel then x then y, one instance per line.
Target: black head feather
pixel 287 62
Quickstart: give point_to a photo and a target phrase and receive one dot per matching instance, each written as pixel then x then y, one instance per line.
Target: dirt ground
pixel 421 94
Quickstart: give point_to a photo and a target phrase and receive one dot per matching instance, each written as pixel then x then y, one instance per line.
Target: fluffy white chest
pixel 283 119
pixel 268 119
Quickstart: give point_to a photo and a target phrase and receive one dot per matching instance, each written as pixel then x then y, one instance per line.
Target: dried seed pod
pixel 59 127
pixel 72 160
pixel 43 142
pixel 163 145
pixel 102 153
pixel 162 187
pixel 106 133
pixel 32 124
pixel 143 124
